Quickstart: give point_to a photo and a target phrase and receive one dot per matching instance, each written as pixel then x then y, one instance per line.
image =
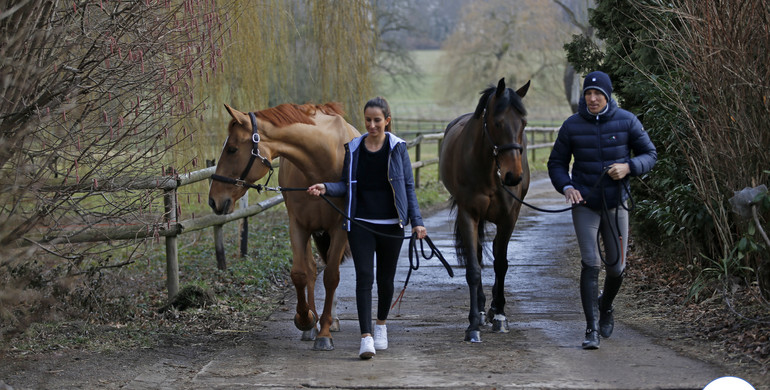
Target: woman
pixel 600 138
pixel 379 188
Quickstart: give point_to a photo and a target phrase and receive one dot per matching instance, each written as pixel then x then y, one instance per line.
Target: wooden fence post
pixel 172 259
pixel 219 236
pixel 532 141
pixel 219 246
pixel 417 153
pixel 438 175
pixel 244 226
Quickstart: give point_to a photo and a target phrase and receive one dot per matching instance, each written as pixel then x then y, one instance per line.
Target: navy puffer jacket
pixel 596 142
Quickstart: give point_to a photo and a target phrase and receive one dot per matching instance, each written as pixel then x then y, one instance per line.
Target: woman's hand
pixel 618 171
pixel 573 196
pixel 317 189
pixel 421 231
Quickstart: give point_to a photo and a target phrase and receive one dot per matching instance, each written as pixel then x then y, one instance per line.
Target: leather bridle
pixel 496 150
pixel 241 182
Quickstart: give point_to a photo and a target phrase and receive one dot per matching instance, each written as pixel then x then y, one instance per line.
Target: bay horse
pixel 310 140
pixel 483 156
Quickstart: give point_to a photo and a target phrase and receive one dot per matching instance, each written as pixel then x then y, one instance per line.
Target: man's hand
pixel 618 171
pixel 573 196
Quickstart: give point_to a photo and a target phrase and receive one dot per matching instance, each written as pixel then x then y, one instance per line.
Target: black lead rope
pixel 605 212
pixel 237 182
pixel 414 265
pixel 414 254
pixel 538 208
pixel 604 172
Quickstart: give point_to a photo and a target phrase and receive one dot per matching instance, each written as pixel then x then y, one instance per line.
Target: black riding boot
pixel 589 292
pixel 606 320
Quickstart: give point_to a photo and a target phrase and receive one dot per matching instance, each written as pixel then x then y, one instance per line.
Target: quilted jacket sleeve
pixel 558 162
pixel 645 154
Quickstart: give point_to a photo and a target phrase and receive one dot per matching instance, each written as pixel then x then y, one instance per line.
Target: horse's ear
pixel 500 87
pixel 237 115
pixel 523 90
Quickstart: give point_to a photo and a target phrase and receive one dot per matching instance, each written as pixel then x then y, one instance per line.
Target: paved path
pixel 426 348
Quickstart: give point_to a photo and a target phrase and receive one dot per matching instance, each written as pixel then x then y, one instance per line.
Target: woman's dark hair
pixel 383 105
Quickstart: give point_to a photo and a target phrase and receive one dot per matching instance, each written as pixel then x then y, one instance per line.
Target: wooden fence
pixel 537 138
pixel 171 227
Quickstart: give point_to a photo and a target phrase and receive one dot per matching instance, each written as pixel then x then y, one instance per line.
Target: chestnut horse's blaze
pixel 481 153
pixel 310 140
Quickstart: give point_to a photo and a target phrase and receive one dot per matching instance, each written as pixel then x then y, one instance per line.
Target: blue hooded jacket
pixel 596 142
pixel 399 176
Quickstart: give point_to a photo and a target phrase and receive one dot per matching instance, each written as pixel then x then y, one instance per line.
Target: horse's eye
pixel 231 149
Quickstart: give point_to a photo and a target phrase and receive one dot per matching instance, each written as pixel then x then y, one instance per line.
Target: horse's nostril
pixel 511 180
pixel 213 204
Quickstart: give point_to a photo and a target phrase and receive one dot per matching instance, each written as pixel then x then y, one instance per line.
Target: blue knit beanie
pixel 599 81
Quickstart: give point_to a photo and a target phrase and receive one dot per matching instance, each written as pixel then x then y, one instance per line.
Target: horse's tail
pixel 460 247
pixel 323 241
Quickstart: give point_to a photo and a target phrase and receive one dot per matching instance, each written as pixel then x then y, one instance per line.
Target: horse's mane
pixel 509 98
pixel 288 114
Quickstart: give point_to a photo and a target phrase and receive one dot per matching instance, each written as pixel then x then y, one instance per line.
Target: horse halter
pixel 240 182
pixel 496 150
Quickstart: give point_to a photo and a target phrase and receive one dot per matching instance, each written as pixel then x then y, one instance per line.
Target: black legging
pixel 363 245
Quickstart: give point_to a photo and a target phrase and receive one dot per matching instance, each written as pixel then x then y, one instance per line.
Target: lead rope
pixel 414 265
pixel 605 212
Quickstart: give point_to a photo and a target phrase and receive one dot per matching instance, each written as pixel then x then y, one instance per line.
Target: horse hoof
pixel 473 336
pixel 309 335
pixel 500 324
pixel 335 326
pixel 323 344
pixel 300 326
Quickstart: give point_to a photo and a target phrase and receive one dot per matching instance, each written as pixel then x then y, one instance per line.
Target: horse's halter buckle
pixel 255 138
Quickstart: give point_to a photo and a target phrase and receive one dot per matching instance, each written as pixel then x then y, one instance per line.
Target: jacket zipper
pixel 393 190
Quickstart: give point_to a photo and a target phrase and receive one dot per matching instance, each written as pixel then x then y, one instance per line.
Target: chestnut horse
pixel 310 140
pixel 483 153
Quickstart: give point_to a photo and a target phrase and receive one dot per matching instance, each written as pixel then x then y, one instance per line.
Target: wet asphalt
pixel 541 351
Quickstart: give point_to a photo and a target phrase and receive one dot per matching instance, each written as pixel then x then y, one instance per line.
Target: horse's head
pixel 503 119
pixel 242 160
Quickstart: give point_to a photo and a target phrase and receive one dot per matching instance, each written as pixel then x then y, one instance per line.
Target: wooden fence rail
pixel 172 227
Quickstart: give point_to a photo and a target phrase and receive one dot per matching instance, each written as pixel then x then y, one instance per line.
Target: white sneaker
pixel 367 348
pixel 380 337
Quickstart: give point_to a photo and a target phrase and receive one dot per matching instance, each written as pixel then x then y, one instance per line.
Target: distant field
pixel 545 101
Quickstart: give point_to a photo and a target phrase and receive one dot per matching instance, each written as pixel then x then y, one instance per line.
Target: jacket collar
pixel 392 139
pixel 603 116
